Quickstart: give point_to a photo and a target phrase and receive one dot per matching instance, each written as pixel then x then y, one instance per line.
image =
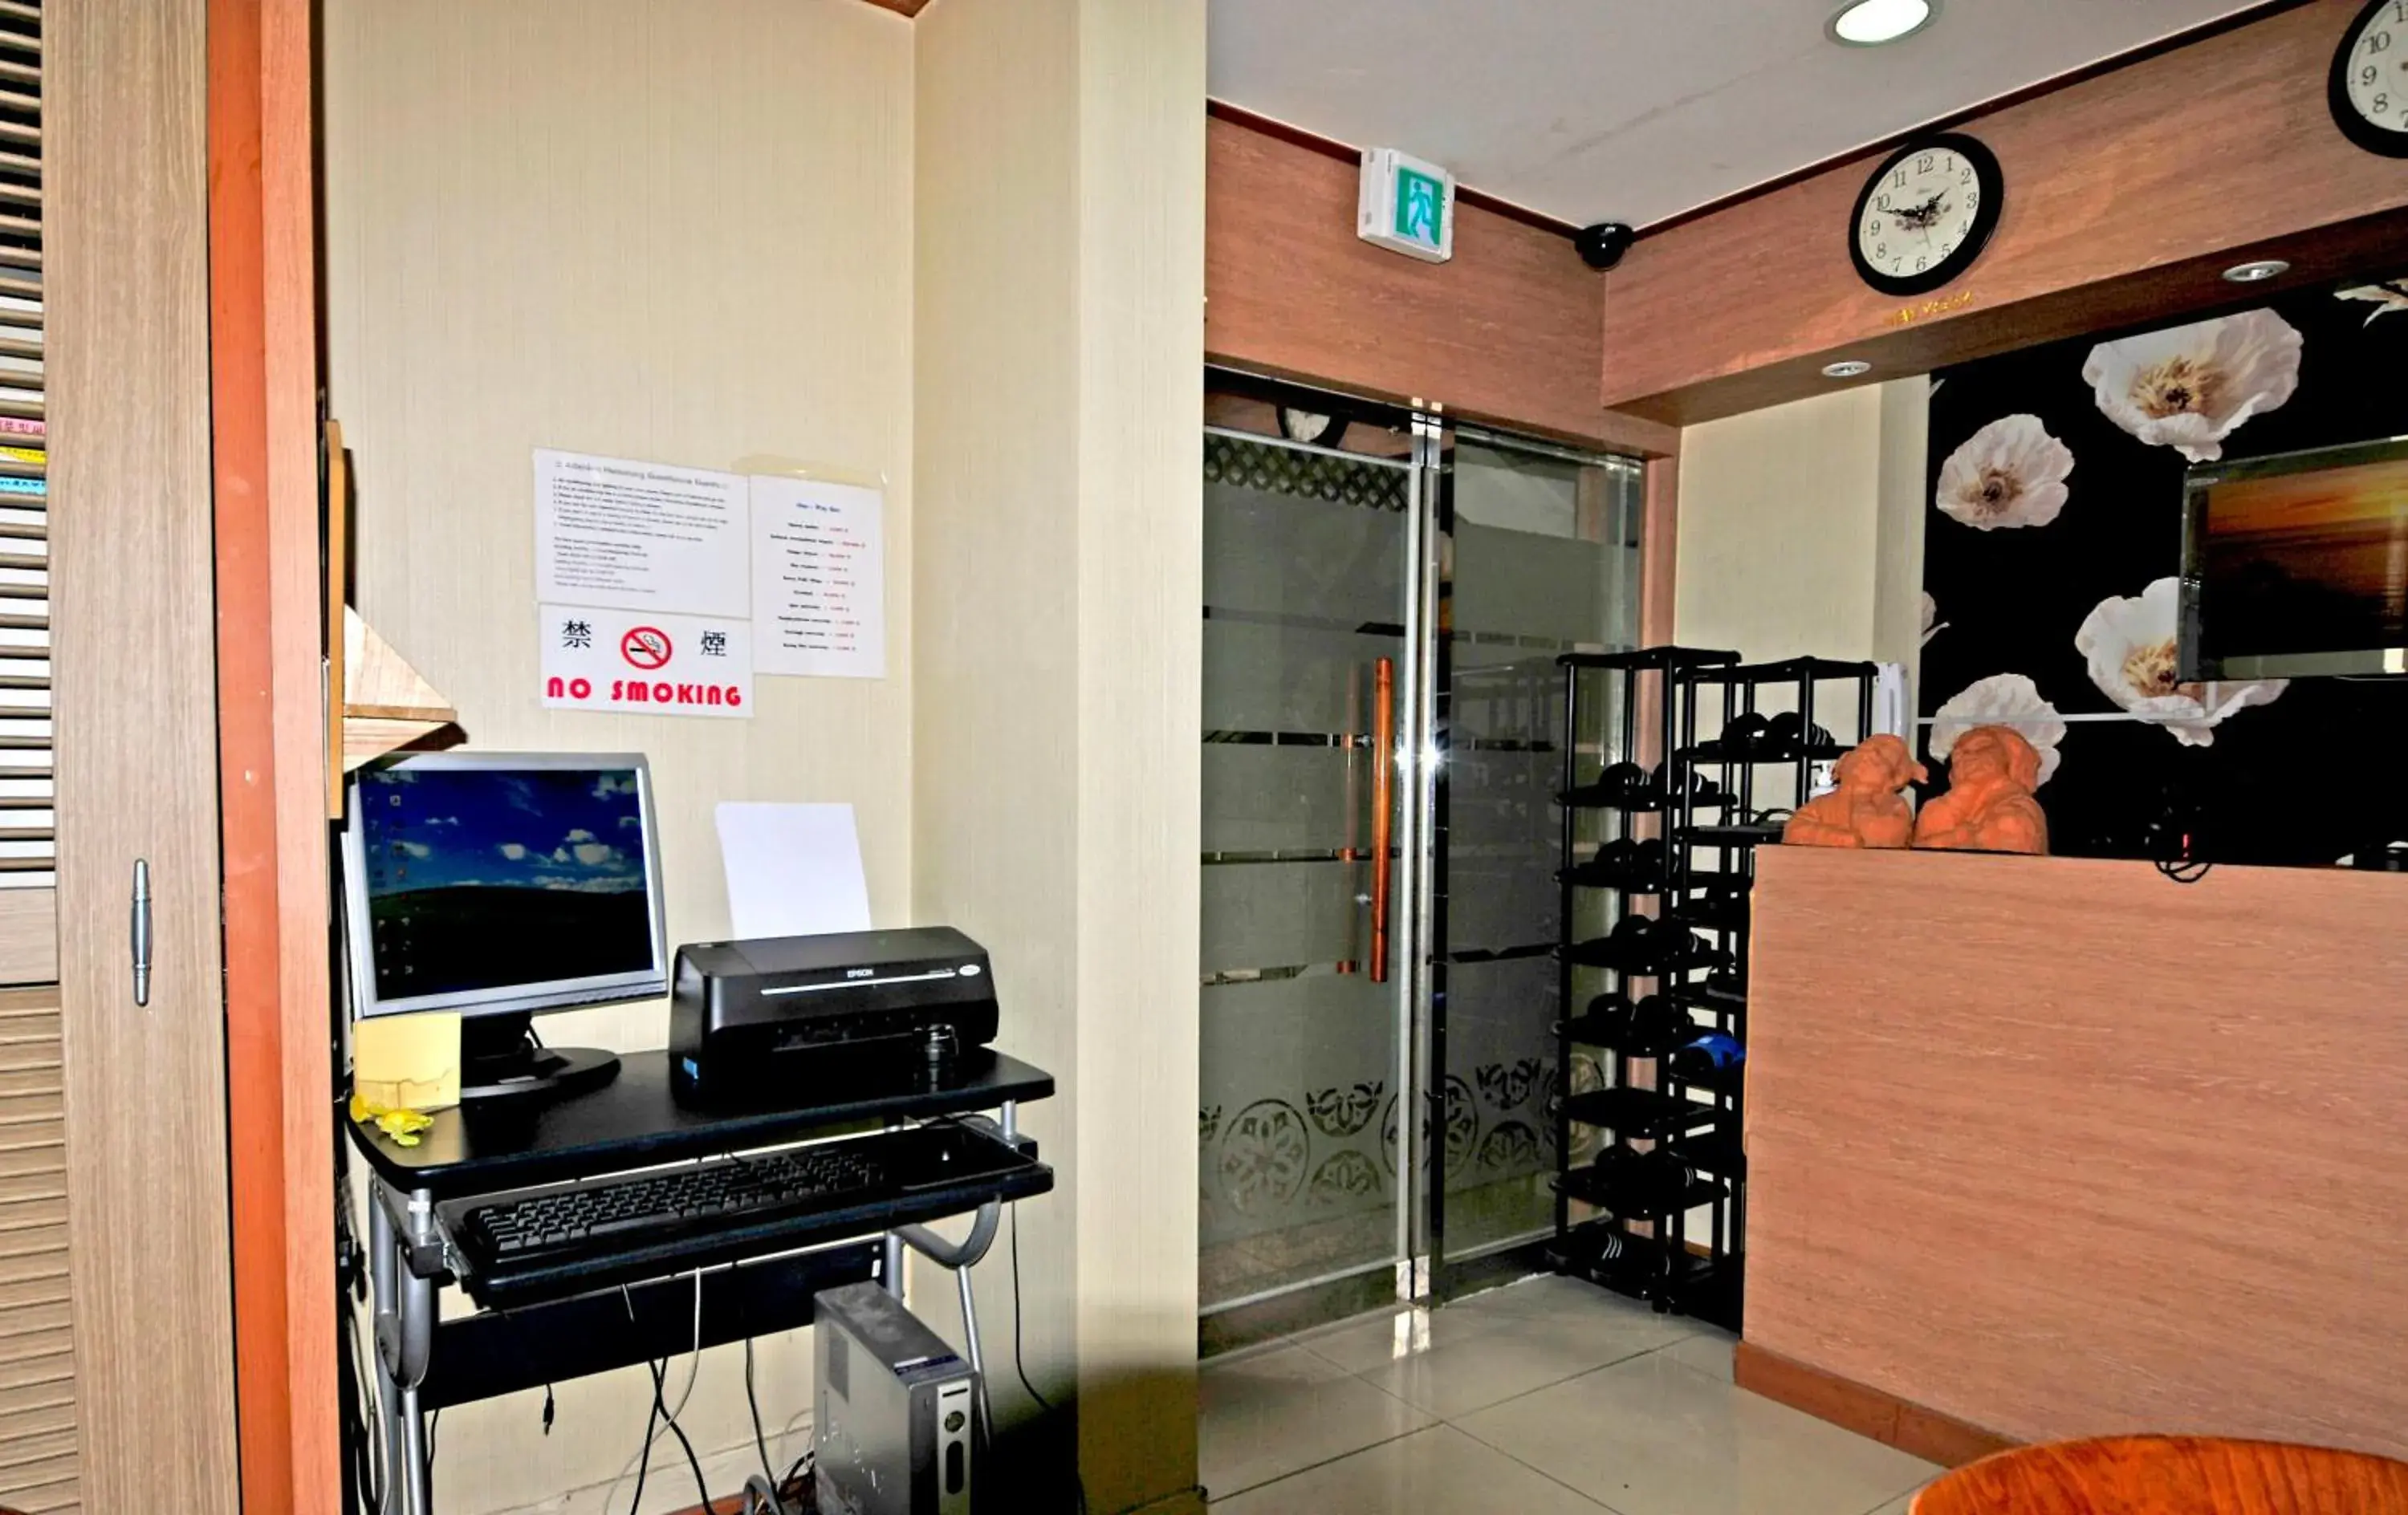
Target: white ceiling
pixel 1636 110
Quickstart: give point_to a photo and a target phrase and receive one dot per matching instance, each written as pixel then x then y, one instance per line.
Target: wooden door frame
pixel 272 747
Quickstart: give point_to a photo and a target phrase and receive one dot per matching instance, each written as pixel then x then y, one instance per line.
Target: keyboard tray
pixel 927 1173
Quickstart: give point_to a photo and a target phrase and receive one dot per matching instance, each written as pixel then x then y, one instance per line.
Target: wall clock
pixel 1311 427
pixel 1926 213
pixel 2368 87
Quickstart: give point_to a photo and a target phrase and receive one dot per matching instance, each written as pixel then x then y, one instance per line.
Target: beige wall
pixel 1801 527
pixel 686 232
pixel 657 229
pixel 1060 576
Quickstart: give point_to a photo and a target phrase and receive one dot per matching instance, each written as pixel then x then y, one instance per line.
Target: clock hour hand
pixel 1925 216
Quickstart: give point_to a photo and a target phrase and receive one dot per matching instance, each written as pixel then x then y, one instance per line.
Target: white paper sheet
pixel 640 535
pixel 819 579
pixel 793 870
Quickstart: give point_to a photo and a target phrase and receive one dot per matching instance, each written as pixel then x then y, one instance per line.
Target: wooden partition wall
pixel 1508 332
pixel 2127 195
pixel 2054 1147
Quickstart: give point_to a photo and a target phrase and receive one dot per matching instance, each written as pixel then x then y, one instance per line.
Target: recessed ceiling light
pixel 1848 368
pixel 2257 272
pixel 1869 24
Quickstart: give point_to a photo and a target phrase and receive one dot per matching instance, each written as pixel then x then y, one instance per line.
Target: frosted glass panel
pixel 1304 594
pixel 1297 1172
pixel 1543 559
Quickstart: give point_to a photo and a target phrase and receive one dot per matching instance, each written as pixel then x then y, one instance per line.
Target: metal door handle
pixel 142 931
pixel 1384 768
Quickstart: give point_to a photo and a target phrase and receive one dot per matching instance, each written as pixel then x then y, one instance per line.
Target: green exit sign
pixel 1406 206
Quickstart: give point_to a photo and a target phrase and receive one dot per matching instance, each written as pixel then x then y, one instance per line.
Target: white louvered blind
pixel 38 1472
pixel 27 857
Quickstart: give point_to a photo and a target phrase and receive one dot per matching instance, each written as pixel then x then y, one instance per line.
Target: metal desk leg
pixel 891 1269
pixel 960 1257
pixel 405 1335
pixel 384 1267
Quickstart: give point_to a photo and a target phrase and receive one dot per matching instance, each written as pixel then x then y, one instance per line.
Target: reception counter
pixel 2050 1146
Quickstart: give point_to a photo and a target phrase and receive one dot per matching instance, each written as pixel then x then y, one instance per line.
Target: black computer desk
pixel 425 1363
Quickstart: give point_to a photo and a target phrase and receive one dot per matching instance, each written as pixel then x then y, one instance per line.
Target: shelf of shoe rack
pixel 1687 856
pixel 1611 1224
pixel 1817 710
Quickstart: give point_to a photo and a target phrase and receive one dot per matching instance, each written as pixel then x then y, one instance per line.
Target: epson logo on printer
pixel 861 973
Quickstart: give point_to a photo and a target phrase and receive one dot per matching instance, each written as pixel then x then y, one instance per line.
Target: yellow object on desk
pixel 403 1126
pixel 406 1062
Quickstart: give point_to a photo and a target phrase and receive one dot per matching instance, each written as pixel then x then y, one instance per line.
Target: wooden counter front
pixel 2061 1148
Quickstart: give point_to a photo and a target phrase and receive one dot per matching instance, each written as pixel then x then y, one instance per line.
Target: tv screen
pixel 483 882
pixel 2297 565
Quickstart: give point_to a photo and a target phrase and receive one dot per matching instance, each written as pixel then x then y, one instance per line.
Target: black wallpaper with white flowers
pixel 2050 552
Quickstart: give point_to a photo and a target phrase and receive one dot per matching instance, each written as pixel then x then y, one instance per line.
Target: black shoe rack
pixel 1681 763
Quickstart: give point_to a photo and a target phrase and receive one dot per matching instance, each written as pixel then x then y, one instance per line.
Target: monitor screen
pixel 502 882
pixel 2297 565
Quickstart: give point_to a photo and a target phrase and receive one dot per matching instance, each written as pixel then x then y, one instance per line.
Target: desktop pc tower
pixel 896 1416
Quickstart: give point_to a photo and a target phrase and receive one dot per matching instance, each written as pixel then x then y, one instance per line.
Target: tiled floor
pixel 1549 1397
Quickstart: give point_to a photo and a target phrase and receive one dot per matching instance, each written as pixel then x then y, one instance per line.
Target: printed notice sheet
pixel 640 535
pixel 819 579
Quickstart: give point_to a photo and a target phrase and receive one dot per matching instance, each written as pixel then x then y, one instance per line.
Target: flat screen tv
pixel 2297 564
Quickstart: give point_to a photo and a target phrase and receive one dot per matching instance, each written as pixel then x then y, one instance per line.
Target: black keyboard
pixel 565 1238
pixel 664 1202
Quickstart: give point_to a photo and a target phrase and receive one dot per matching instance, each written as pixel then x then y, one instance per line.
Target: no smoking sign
pixel 637 662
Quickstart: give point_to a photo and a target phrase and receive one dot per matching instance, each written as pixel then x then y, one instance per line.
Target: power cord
pixel 643 1459
pixel 752 1402
pixel 1078 1483
pixel 652 1431
pixel 660 1403
pixel 1018 1366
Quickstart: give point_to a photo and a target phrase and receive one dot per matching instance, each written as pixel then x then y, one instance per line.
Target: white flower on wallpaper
pixel 2131 648
pixel 2386 297
pixel 2188 388
pixel 2003 699
pixel 2010 473
pixel 1932 624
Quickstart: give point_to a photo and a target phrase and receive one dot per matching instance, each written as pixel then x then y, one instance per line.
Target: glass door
pixel 1385 598
pixel 1536 550
pixel 1313 511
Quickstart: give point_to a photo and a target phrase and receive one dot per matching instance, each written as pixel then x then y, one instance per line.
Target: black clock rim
pixel 1987 173
pixel 2364 133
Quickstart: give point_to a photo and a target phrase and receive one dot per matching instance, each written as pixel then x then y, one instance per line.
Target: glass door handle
pixel 1384 768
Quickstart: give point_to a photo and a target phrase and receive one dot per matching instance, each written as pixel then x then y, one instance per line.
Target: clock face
pixel 1925 214
pixel 2369 87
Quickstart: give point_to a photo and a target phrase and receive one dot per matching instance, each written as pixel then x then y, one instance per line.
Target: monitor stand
pixel 499 1059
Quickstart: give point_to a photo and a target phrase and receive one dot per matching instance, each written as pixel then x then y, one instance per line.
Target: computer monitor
pixel 500 884
pixel 2297 564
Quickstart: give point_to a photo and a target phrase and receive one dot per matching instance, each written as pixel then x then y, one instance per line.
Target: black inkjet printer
pixel 748 1016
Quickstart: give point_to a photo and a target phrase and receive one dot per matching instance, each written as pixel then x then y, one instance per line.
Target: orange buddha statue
pixel 1992 772
pixel 1865 810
